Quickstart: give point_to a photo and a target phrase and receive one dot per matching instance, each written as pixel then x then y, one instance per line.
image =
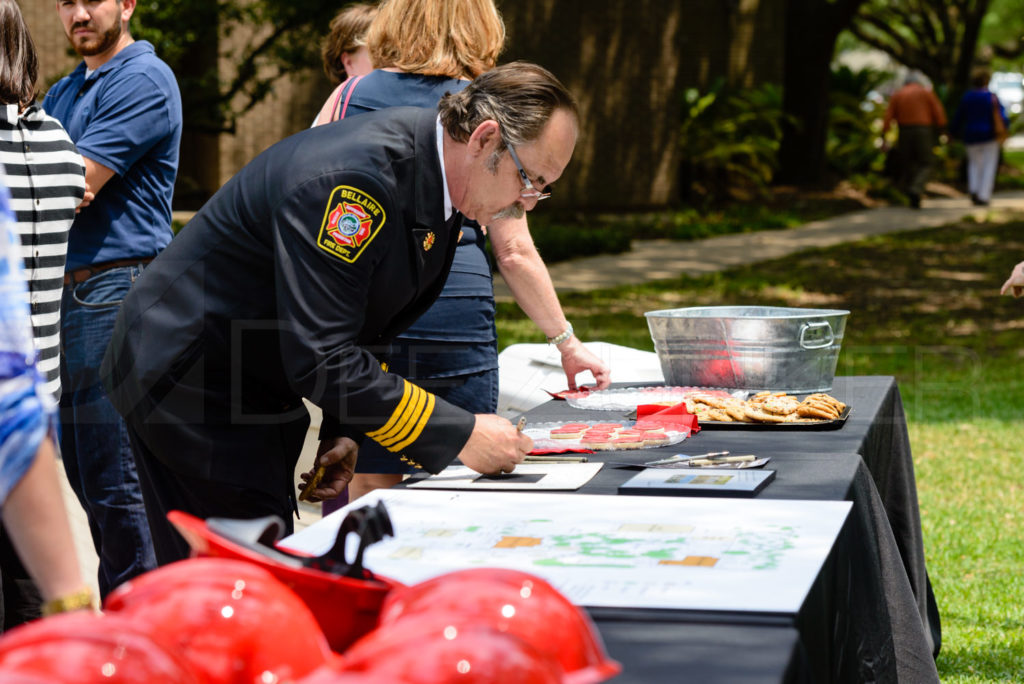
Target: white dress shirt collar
pixel 448 208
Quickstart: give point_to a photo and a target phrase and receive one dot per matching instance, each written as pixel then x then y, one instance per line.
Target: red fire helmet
pixel 512 602
pixel 428 649
pixel 346 608
pixel 333 673
pixel 231 620
pixel 88 648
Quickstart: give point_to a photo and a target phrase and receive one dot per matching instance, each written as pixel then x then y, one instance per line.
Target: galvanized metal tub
pixel 749 347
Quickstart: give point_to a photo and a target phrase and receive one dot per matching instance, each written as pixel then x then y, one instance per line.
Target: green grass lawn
pixel 1011 172
pixel 570 235
pixel 925 307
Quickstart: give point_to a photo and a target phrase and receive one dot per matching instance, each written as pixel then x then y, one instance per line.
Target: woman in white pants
pixel 982 163
pixel 977 122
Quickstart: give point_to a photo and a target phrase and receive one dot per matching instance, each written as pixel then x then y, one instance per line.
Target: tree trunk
pixel 812 27
pixel 968 48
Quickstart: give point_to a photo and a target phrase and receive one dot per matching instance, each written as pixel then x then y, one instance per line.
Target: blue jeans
pixel 93 438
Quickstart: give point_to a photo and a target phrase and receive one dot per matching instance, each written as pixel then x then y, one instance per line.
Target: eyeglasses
pixel 528 192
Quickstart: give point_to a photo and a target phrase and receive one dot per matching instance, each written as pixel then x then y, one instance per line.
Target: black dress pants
pixel 20 601
pixel 165 490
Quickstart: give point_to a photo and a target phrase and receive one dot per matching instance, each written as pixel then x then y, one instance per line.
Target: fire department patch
pixel 351 221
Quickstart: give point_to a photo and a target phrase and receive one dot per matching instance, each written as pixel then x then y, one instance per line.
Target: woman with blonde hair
pixel 424 50
pixel 457 39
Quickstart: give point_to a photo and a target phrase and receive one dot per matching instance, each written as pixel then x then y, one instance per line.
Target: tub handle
pixel 821 344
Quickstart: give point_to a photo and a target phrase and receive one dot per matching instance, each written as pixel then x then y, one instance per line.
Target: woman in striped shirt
pixel 46 177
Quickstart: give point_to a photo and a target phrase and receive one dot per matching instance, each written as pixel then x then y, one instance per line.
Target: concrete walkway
pixel 661 259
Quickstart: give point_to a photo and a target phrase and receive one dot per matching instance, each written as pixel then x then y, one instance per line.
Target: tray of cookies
pixel 770 410
pixel 600 436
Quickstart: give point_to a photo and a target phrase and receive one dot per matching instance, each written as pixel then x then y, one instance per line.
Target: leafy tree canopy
pixel 937 37
pixel 1002 34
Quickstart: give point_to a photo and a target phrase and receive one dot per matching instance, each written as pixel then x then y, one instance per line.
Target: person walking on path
pixel 981 123
pixel 122 108
pixel 920 118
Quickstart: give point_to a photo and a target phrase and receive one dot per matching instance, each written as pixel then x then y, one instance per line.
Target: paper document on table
pixel 734 555
pixel 528 476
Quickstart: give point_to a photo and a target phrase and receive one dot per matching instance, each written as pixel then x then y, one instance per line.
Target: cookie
pixel 819 411
pixel 567 432
pixel 598 442
pixel 738 413
pixel 780 405
pixel 655 438
pixel 758 416
pixel 827 399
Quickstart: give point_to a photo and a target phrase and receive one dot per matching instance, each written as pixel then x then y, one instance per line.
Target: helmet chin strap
pixel 371 523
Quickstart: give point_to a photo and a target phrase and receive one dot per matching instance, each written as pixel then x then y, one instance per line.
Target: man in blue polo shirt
pixel 122 108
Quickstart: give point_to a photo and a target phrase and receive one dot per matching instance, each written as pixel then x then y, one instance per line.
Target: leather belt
pixel 80 275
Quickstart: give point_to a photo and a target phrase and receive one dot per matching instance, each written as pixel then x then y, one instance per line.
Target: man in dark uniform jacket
pixel 291 281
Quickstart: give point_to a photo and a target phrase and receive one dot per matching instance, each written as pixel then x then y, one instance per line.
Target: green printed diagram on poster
pixel 613 551
pixel 546 543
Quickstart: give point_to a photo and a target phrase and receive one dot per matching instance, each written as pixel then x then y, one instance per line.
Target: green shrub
pixel 560 239
pixel 730 139
pixel 1011 171
pixel 855 122
pixel 694 224
pixel 876 185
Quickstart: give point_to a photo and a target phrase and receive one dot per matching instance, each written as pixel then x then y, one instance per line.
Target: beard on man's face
pixel 512 211
pixel 87 47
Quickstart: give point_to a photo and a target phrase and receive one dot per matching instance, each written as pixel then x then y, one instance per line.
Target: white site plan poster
pixel 607 551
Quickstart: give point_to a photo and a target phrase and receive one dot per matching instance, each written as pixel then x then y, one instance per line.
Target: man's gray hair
pixel 914 76
pixel 520 96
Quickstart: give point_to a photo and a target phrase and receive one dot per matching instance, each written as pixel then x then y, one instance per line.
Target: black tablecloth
pixel 669 651
pixel 872 615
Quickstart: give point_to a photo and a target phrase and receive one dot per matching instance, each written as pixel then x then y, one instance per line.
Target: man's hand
pixel 495 446
pixel 337 457
pixel 86 199
pixel 576 358
pixel 1015 283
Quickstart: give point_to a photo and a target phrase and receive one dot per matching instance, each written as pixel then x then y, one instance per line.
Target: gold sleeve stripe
pixel 420 424
pixel 408 420
pixel 377 435
pixel 409 416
